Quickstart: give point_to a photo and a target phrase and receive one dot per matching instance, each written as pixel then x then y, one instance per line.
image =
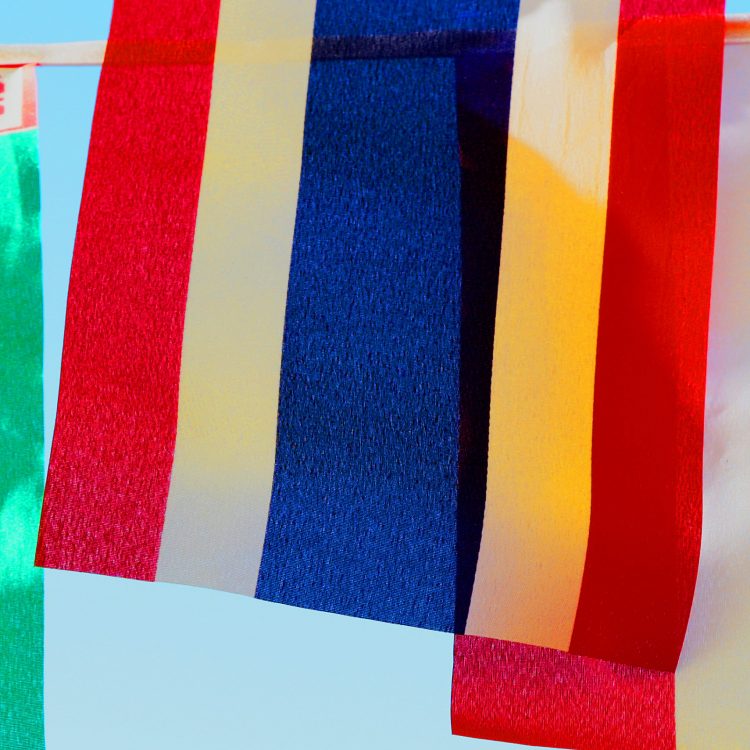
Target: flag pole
pixel 92 53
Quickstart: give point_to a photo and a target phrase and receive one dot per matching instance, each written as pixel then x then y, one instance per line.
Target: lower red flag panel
pixel 518 693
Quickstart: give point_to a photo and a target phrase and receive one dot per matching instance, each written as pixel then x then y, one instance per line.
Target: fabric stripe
pixel 117 410
pixel 231 357
pixel 713 702
pixel 430 43
pixel 531 695
pixel 364 493
pixel 21 418
pixel 647 450
pixel 363 516
pixel 538 488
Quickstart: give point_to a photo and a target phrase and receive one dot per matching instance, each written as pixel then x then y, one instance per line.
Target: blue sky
pixel 160 667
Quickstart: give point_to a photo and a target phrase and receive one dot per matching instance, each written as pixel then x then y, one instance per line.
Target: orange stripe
pixel 537 511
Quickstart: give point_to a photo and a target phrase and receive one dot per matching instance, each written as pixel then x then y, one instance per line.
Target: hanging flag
pixel 595 589
pixel 21 416
pixel 275 374
pixel 404 314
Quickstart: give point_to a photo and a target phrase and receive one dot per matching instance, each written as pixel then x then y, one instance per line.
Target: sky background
pixel 165 667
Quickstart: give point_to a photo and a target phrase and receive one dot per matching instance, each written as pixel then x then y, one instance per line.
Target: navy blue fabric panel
pixel 379 17
pixel 363 512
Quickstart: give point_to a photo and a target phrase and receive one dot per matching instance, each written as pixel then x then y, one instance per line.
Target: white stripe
pixel 713 676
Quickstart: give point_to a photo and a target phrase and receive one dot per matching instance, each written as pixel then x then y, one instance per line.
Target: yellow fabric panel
pixel 226 436
pixel 712 681
pixel 539 474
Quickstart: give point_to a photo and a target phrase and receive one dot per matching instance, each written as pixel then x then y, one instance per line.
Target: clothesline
pixel 92 53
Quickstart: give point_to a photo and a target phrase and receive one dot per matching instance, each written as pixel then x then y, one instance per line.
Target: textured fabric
pixel 712 699
pixel 117 410
pixel 632 607
pixel 535 526
pixel 519 693
pixel 379 387
pixel 21 418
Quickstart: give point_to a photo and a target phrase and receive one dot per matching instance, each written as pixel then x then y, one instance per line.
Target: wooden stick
pixel 92 53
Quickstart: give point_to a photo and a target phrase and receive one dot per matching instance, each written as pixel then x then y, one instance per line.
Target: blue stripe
pixel 377 17
pixel 483 84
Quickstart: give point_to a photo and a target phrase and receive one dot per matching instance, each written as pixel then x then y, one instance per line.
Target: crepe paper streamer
pixel 363 514
pixel 21 417
pixel 361 470
pixel 712 699
pixel 536 522
pixel 114 438
pixel 483 83
pixel 60 53
pixel 540 696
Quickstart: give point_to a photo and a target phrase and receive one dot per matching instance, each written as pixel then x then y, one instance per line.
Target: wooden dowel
pixel 92 53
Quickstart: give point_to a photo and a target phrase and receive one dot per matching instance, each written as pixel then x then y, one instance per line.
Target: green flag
pixel 21 417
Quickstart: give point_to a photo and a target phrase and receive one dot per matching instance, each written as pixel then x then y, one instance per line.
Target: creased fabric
pixel 422 339
pixel 712 699
pixel 290 422
pixel 113 446
pixel 617 657
pixel 363 517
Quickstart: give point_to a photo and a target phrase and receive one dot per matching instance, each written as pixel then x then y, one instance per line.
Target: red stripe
pixel 647 453
pixel 117 411
pixel 528 694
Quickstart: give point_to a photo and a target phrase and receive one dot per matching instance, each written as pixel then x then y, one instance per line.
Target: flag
pixel 21 416
pixel 404 314
pixel 269 333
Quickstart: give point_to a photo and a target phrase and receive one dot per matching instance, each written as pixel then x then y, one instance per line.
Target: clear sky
pixel 159 667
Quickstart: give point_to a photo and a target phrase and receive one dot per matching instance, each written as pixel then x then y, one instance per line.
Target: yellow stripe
pixel 226 437
pixel 539 476
pixel 711 683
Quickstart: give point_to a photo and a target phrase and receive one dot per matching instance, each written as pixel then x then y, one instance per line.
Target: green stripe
pixel 21 445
